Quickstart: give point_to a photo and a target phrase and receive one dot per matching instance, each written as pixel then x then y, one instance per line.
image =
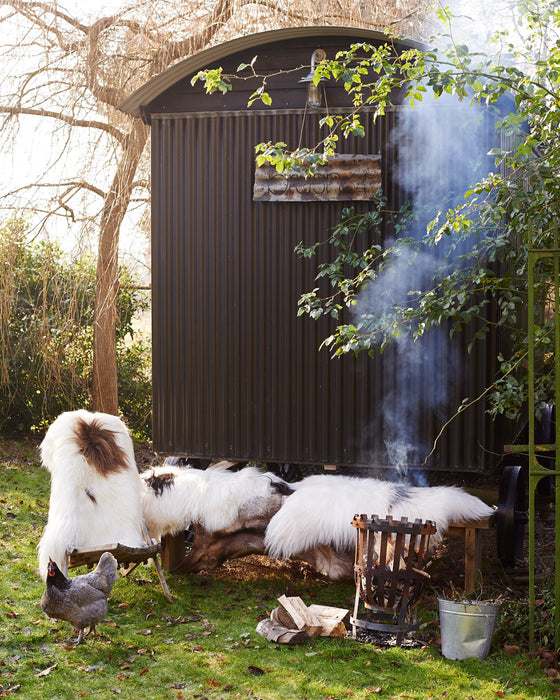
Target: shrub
pixel 46 334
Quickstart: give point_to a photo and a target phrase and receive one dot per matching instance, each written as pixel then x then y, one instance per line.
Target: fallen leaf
pixel 500 693
pixel 143 671
pixel 255 670
pixel 46 671
pixel 211 681
pixel 511 649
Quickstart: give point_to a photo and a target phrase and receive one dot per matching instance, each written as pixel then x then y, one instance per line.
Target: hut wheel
pixel 511 515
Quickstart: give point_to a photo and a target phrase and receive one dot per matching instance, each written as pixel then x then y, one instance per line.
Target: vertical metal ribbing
pixel 236 373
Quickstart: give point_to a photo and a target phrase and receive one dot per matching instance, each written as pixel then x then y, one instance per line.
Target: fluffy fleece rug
pixel 95 486
pixel 320 510
pixel 176 497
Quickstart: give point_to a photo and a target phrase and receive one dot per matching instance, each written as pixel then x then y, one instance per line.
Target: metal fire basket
pixel 390 572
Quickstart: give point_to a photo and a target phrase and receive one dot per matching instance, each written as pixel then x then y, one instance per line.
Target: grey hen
pixel 81 600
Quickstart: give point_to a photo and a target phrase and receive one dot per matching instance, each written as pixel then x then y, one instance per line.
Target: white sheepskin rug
pixel 177 497
pixel 322 507
pixel 95 486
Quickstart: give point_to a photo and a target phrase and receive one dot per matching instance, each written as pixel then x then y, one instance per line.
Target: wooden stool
pixel 471 532
pixel 389 570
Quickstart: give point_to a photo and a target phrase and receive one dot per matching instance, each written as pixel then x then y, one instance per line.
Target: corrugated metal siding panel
pixel 236 374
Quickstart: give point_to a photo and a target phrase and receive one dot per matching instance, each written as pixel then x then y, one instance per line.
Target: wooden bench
pixel 127 558
pixel 471 532
pixel 173 548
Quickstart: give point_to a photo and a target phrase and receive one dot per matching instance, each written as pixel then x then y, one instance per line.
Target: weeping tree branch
pixel 65 118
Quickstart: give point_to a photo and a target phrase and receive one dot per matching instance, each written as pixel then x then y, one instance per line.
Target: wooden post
pixel 471 532
pixel 173 551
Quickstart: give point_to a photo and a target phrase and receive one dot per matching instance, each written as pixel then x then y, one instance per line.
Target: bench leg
pixel 162 580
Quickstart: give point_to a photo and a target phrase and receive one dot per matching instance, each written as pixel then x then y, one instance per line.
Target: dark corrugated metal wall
pixel 236 373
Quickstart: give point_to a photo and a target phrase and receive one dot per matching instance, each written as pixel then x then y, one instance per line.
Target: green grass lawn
pixel 204 645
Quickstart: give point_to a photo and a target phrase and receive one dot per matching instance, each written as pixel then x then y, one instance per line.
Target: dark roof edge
pixel 134 104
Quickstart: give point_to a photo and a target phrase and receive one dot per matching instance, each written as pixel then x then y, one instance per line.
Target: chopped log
pixel 275 632
pixel 327 611
pixel 304 620
pixel 330 626
pixel 283 617
pixel 316 620
pixel 333 620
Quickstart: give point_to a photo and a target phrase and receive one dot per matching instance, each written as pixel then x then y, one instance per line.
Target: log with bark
pixel 293 621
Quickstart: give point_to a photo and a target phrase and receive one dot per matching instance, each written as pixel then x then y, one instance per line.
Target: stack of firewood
pixel 293 621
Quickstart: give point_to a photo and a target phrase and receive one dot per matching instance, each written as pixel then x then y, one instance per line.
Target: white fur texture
pixel 213 497
pixel 322 507
pixel 74 519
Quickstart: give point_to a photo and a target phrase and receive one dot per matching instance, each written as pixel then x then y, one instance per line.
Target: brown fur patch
pixel 159 482
pixel 99 447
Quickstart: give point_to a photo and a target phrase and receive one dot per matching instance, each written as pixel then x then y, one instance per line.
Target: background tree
pixel 69 71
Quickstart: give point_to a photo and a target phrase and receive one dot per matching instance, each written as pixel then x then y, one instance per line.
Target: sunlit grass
pixel 204 645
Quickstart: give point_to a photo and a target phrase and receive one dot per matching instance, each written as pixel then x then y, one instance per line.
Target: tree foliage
pixel 477 242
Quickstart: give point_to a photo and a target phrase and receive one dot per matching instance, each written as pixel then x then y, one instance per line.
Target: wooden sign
pixel 345 177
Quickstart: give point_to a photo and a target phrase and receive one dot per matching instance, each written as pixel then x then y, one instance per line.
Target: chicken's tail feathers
pixel 108 565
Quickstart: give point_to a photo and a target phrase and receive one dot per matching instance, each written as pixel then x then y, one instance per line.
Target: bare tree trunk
pixel 104 385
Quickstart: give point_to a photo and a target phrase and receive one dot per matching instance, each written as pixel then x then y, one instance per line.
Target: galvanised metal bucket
pixel 467 628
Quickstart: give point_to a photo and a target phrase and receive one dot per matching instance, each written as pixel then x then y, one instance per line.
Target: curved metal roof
pixel 158 84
